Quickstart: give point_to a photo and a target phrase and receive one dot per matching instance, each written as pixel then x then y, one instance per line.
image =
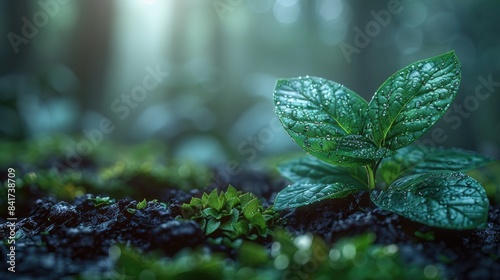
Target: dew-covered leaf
pixel 250 208
pixel 359 147
pixel 415 159
pixel 325 119
pixel 452 160
pixel 412 100
pixel 312 170
pixel 301 193
pixel 449 200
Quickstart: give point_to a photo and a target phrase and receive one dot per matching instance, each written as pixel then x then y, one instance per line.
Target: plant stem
pixel 376 166
pixel 371 177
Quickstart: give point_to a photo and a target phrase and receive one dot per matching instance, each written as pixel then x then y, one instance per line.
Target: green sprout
pixel 142 205
pixel 231 214
pixel 101 201
pixel 350 140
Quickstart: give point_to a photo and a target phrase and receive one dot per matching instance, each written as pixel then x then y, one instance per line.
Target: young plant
pixel 232 213
pixel 102 201
pixel 352 139
pixel 142 205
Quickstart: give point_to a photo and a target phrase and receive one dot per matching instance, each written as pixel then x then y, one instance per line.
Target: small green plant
pixel 141 205
pixel 101 201
pixel 234 213
pixel 352 139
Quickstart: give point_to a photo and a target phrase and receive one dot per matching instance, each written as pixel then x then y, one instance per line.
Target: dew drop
pixel 306 142
pixel 469 191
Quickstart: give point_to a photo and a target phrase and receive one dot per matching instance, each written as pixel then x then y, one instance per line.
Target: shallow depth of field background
pixel 222 58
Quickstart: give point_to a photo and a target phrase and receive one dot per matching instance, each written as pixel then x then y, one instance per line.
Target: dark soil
pixel 468 254
pixel 63 239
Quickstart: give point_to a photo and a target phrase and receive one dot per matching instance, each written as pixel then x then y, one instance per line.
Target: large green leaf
pixel 412 100
pixel 446 200
pixel 452 160
pixel 418 159
pixel 302 193
pixel 312 170
pixel 325 119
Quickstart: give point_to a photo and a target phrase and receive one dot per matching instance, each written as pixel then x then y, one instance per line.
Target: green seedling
pixel 352 139
pixel 141 205
pixel 231 215
pixel 101 201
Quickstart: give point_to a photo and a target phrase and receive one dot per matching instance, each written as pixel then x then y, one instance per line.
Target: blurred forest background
pixel 67 65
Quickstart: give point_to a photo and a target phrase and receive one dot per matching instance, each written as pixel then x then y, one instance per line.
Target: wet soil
pixel 61 238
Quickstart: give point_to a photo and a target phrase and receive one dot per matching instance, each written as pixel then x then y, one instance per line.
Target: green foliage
pixel 63 184
pixel 418 160
pixel 412 100
pixel 316 180
pixel 326 120
pixel 185 265
pixel 358 257
pixel 448 200
pixel 345 133
pixel 111 169
pixel 301 257
pixel 230 215
pixel 141 205
pixel 101 201
pixel 151 173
